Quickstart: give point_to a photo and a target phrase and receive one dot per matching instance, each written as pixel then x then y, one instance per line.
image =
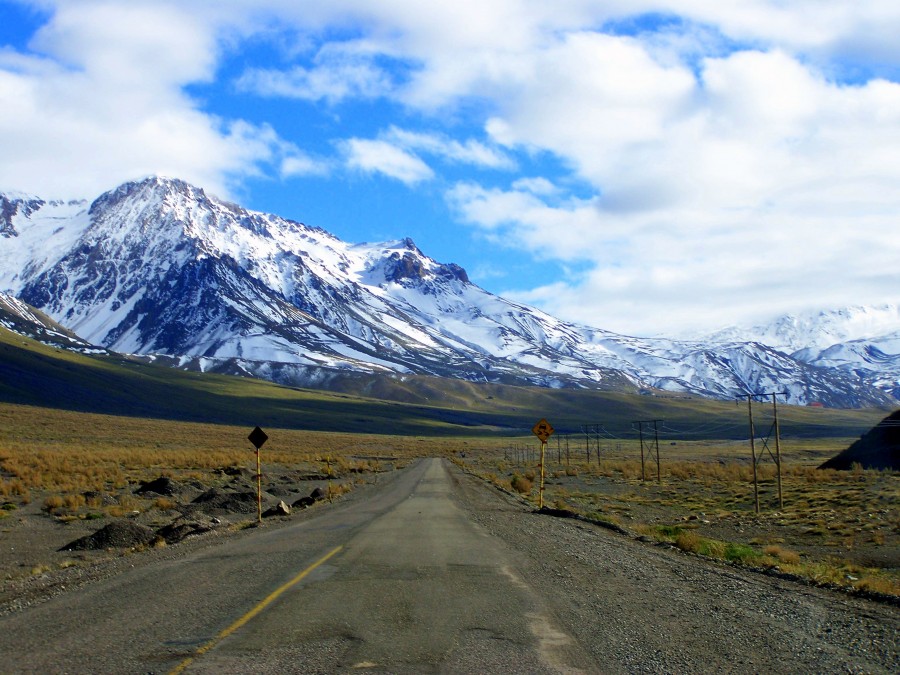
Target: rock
pixel 317 495
pixel 280 509
pixel 175 531
pixel 304 502
pixel 118 534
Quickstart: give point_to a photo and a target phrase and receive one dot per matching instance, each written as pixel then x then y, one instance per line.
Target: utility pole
pixel 749 398
pixel 641 438
pixel 777 456
pixel 777 446
pixel 641 424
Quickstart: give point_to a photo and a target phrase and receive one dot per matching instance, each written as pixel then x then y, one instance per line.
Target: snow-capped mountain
pixel 817 330
pixel 160 267
pixel 861 341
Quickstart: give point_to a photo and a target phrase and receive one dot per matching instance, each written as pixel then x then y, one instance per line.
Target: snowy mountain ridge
pixel 159 267
pixel 861 340
pixel 818 330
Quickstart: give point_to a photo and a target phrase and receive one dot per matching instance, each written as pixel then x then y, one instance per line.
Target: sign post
pixel 258 437
pixel 543 431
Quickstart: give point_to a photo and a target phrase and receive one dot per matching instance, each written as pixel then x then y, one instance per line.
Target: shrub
pixel 688 540
pixel 164 503
pixel 73 502
pixel 784 555
pixel 520 484
pixel 53 502
pixel 740 553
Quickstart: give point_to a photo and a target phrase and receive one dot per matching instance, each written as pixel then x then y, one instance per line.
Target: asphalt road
pixel 432 571
pixel 403 581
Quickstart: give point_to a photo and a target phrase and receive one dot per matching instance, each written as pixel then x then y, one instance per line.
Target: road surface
pixel 431 571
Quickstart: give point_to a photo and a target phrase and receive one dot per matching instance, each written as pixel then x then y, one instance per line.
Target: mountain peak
pixel 158 266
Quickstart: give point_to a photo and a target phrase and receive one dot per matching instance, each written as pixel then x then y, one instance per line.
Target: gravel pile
pixel 118 534
pixel 216 501
pixel 162 486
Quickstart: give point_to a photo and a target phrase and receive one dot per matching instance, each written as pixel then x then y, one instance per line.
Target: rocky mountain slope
pixel 159 267
pixel 26 320
pixel 863 342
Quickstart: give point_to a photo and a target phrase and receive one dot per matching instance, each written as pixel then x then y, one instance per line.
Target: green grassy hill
pixel 36 374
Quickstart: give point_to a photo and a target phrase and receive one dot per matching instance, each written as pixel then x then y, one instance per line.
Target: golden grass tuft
pixel 53 502
pixel 783 555
pixel 520 484
pixel 165 504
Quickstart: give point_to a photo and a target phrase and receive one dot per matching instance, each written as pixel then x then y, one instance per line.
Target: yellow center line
pixel 269 599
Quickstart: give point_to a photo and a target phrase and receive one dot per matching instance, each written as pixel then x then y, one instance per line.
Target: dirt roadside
pixel 640 607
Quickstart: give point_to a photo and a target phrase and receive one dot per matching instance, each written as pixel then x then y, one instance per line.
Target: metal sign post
pixel 258 437
pixel 542 430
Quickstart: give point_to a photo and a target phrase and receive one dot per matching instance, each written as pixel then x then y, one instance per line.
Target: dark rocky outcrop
pixel 316 495
pixel 179 530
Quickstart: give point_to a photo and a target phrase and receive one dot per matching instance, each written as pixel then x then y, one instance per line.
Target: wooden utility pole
pixel 777 456
pixel 777 447
pixel 749 398
pixel 649 449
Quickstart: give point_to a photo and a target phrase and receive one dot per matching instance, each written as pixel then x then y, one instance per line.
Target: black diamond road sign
pixel 257 437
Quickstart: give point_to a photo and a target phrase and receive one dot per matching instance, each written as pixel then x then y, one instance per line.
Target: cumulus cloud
pixel 727 155
pixel 100 98
pixel 375 156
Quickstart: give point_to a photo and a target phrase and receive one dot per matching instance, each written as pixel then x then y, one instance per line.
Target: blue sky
pixel 648 167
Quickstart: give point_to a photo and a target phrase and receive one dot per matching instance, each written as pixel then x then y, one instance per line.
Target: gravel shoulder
pixel 640 607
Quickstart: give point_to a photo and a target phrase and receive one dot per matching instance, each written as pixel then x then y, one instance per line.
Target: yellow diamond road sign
pixel 542 430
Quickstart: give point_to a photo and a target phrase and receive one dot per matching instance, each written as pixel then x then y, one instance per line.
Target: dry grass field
pixel 838 528
pixel 64 474
pixel 65 470
pixel 57 453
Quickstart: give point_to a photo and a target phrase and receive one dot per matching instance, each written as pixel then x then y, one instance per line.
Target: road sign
pixel 542 430
pixel 257 437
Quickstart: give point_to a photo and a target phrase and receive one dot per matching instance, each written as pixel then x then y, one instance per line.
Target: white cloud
pixel 338 73
pixel 469 152
pixel 538 186
pixel 296 163
pixel 742 156
pixel 374 156
pixel 99 98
